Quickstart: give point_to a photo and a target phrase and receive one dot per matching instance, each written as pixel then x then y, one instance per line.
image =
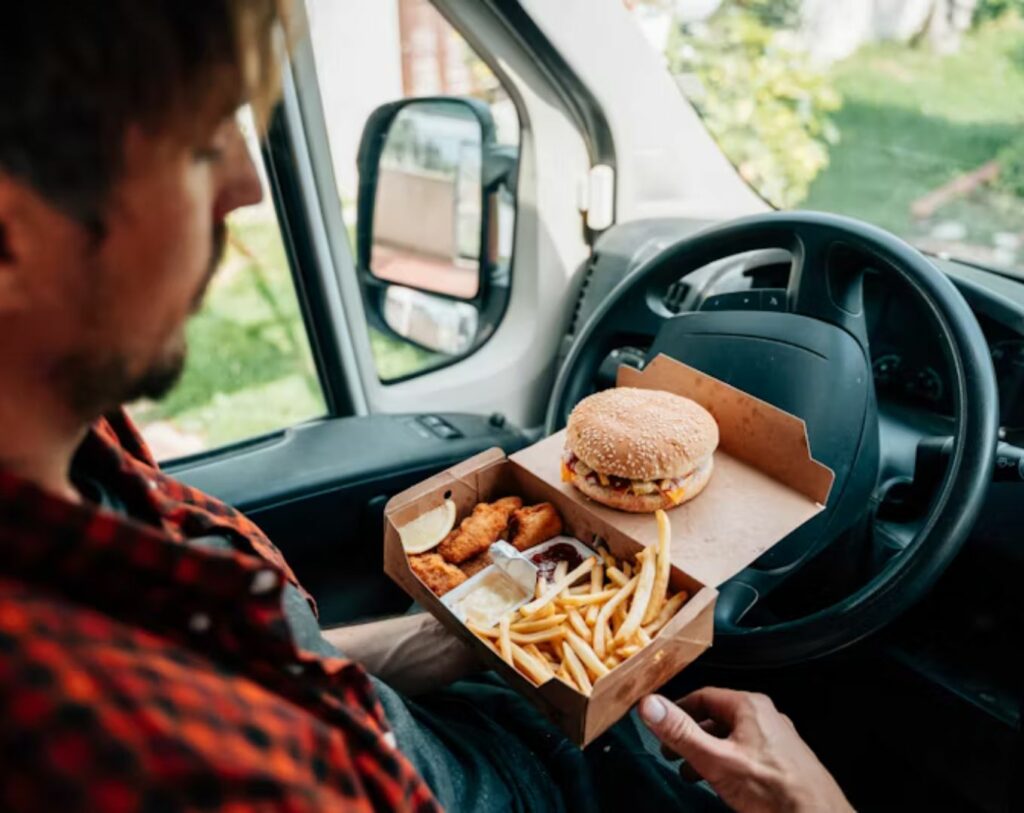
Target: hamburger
pixel 639 450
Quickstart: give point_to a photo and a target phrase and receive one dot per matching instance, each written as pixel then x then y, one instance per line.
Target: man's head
pixel 120 158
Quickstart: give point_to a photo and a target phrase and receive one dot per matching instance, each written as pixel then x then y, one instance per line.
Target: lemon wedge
pixel 427 530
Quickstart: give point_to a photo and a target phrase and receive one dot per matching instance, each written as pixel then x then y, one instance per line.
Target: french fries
pixel 539 624
pixel 576 668
pixel 670 609
pixel 535 669
pixel 603 617
pixel 551 592
pixel 641 597
pixel 579 625
pixel 587 621
pixel 664 564
pixel 505 638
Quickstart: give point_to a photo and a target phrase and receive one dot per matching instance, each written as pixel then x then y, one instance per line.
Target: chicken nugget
pixel 436 573
pixel 507 505
pixel 479 530
pixel 473 566
pixel 532 525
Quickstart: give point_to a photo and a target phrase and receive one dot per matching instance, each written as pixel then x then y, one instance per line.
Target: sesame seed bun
pixel 645 503
pixel 641 434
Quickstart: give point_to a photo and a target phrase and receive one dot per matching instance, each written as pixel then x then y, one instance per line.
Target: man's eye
pixel 208 154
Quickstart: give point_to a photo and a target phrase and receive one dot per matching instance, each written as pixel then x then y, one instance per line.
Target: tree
pixel 759 94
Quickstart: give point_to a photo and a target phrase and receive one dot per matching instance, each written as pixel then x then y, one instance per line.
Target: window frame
pixel 278 150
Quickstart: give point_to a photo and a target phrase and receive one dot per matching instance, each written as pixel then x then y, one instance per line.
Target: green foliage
pixel 772 13
pixel 1011 167
pixel 395 358
pixel 760 96
pixel 991 9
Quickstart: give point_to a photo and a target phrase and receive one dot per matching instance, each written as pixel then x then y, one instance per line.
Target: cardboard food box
pixel 765 485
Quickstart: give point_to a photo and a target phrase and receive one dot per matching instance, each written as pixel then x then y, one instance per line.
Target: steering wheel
pixel 810 357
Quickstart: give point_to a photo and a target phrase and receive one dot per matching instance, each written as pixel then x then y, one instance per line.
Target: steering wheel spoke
pixel 826 280
pixel 740 595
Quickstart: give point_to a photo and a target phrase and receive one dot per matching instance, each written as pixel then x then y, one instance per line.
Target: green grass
pixel 912 120
pixel 255 409
pixel 395 358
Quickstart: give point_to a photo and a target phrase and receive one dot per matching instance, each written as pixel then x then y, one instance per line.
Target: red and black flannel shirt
pixel 141 673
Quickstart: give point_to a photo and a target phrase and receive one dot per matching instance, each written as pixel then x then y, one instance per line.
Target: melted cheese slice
pixel 676 495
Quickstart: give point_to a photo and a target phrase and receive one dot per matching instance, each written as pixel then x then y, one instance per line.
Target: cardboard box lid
pixel 765 483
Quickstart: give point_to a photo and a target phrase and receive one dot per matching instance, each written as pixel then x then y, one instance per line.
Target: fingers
pixel 713 728
pixel 724 706
pixel 678 731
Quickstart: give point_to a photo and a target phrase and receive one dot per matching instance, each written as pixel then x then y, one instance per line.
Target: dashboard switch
pixel 773 299
pixel 733 301
pixel 439 427
pixel 933 455
pixel 1009 464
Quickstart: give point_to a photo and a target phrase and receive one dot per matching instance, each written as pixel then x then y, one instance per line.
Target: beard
pixel 95 384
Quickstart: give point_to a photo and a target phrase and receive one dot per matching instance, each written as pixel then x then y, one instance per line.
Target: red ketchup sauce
pixel 547 560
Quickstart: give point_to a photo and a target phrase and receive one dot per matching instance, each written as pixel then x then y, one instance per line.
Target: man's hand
pixel 746 749
pixel 411 653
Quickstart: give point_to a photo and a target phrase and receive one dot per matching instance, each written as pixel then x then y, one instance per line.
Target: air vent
pixel 588 272
pixel 675 296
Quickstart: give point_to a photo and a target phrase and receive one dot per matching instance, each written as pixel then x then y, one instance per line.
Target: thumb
pixel 678 731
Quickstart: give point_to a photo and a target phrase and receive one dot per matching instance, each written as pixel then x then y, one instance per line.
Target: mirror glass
pixel 427 217
pixel 433 322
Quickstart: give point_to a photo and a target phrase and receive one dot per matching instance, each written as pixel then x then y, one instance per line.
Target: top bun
pixel 641 434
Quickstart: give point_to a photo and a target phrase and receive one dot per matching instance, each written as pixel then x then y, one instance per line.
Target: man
pixel 156 652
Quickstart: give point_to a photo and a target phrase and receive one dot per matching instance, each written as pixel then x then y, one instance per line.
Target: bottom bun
pixel 644 503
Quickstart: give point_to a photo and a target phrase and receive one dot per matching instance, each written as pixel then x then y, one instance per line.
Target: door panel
pixel 319 490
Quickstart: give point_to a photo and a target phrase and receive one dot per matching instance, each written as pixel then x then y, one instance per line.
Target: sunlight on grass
pixel 912 120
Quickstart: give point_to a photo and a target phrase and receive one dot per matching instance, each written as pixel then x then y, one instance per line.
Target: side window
pixel 249 368
pixel 433 222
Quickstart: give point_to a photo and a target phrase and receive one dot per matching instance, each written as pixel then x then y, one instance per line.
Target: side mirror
pixel 427 239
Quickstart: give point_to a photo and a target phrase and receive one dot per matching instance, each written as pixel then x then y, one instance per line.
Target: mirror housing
pixel 428 237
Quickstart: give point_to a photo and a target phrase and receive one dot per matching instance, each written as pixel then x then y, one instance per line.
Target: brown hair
pixel 74 74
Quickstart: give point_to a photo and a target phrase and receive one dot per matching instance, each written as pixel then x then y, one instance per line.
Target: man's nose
pixel 240 182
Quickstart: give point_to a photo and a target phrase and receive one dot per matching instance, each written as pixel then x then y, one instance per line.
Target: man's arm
pixel 411 653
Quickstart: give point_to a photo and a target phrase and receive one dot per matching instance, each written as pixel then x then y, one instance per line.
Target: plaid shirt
pixel 141 673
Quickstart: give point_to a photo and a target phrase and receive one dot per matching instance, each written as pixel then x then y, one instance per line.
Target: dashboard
pixel 909 366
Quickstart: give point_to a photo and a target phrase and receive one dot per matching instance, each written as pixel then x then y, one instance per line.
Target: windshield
pixel 904 114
